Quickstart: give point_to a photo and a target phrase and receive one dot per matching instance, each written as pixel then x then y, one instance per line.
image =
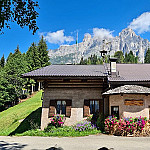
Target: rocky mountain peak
pixel 127 32
pixel 87 37
pixel 126 41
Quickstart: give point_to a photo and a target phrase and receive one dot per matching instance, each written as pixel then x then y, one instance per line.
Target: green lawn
pixel 60 132
pixel 24 119
pixel 29 112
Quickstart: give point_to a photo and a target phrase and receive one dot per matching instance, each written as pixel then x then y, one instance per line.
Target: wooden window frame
pixel 86 107
pixel 54 106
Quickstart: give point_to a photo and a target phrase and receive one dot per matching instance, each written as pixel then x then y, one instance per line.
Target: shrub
pixel 57 120
pixel 85 125
pixel 124 126
pixel 100 122
pixel 110 123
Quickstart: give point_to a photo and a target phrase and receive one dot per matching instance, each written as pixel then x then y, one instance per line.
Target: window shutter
pixel 52 108
pixel 68 108
pixel 86 108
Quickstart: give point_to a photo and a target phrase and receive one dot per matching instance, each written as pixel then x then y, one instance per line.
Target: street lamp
pixel 103 53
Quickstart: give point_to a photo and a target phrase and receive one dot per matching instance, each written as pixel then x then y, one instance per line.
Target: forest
pixel 127 59
pixel 16 64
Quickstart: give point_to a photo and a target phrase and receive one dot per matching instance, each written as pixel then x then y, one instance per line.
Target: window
pixel 94 106
pixel 115 111
pixel 61 107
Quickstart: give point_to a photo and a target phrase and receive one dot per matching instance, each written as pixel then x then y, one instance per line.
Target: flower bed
pixel 84 126
pixel 127 126
pixel 57 120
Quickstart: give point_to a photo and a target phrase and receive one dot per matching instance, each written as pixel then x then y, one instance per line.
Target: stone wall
pixel 77 95
pixel 127 110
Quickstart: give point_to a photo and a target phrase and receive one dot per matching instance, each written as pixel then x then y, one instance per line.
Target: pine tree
pixel 82 61
pixel 130 58
pixel 32 57
pixel 119 56
pixel 126 58
pixel 7 94
pixel 15 66
pixel 11 82
pixel 147 56
pixel 43 53
pixel 2 61
pixel 89 61
pixel 9 56
pixel 17 51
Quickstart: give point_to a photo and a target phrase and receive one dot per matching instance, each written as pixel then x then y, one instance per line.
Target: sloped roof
pixel 128 89
pixel 68 70
pixel 132 72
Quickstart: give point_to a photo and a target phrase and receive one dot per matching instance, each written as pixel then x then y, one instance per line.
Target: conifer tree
pixel 81 61
pixel 119 56
pixel 130 58
pixel 15 66
pixel 89 61
pixel 43 53
pixel 147 56
pixel 32 57
pixel 17 51
pixel 126 58
pixel 2 61
pixel 11 82
pixel 9 56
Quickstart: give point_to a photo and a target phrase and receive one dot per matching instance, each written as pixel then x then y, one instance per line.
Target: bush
pixel 100 122
pixel 110 124
pixel 84 125
pixel 57 120
pixel 125 126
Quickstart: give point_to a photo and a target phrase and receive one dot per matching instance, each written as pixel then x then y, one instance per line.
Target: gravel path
pixel 93 142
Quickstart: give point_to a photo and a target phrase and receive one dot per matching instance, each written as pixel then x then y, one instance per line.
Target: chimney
pixel 113 70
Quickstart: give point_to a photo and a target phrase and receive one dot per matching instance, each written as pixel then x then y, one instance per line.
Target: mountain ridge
pixel 126 41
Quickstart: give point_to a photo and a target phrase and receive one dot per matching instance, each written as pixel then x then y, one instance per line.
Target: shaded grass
pixel 29 111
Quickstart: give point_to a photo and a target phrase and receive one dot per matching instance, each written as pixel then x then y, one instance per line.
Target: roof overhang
pixel 64 77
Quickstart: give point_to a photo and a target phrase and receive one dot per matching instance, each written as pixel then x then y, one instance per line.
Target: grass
pixel 28 111
pixel 60 132
pixel 24 119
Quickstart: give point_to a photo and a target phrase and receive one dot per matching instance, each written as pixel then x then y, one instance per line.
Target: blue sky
pixel 60 19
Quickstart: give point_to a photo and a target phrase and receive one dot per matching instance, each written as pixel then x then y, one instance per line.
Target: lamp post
pixel 103 51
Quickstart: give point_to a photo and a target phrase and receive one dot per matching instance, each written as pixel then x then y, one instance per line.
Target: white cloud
pixel 102 33
pixel 142 23
pixel 57 37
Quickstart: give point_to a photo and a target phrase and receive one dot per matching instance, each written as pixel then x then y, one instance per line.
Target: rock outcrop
pixel 125 42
